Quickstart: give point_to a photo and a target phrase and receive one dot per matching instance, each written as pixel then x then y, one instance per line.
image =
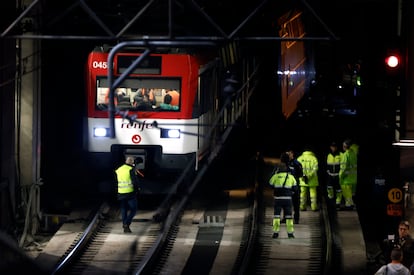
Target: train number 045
pixel 100 64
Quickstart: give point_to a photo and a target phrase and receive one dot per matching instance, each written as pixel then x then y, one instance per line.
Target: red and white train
pixel 175 101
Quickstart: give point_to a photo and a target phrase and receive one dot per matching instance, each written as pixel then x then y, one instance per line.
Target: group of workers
pixel 295 183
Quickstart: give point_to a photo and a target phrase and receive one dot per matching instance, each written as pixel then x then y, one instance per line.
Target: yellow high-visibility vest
pixel 124 179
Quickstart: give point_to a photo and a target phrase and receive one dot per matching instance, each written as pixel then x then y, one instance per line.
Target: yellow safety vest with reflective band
pixel 333 163
pixel 283 182
pixel 124 179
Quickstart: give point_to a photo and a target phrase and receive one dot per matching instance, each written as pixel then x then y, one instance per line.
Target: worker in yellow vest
pixel 127 191
pixel 309 182
pixel 284 185
pixel 348 174
pixel 333 165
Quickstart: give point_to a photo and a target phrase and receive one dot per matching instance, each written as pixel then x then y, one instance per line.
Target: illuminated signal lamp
pixel 392 61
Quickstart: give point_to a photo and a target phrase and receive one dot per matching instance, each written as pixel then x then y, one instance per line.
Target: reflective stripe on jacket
pixel 333 163
pixel 283 183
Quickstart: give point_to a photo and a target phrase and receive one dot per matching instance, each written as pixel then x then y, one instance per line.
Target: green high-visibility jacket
pixel 310 166
pixel 349 165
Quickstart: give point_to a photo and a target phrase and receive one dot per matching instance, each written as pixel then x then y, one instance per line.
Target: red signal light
pixel 392 61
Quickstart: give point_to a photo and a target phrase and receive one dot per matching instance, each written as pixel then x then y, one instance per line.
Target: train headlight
pixel 170 133
pixel 101 132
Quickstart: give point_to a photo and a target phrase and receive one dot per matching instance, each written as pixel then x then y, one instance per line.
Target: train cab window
pixel 141 94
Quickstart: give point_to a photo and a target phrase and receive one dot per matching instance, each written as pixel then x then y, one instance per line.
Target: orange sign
pixel 394 209
pixel 395 195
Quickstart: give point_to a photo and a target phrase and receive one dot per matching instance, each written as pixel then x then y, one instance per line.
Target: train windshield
pixel 141 94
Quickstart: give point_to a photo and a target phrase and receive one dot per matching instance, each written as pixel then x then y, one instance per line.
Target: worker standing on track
pixel 295 168
pixel 284 185
pixel 127 192
pixel 348 174
pixel 309 182
pixel 333 165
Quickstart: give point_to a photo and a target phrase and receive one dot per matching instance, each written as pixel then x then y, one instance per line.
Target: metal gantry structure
pixel 36 20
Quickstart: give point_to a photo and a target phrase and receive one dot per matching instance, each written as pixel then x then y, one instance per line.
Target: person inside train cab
pixel 122 100
pixel 166 105
pixel 144 99
pixel 117 96
pixel 128 190
pixel 175 97
pixel 284 184
pixel 402 240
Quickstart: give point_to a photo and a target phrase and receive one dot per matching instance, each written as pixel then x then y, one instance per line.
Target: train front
pixel 155 119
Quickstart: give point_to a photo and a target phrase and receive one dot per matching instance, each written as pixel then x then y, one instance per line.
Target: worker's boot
pixel 127 229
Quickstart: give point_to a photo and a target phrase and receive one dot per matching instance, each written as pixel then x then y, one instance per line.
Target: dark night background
pixel 365 29
pixel 344 31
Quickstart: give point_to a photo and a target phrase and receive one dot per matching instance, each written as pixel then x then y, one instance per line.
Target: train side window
pixel 208 91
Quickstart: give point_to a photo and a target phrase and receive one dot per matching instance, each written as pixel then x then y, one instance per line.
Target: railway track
pixel 305 254
pixel 108 249
pixel 227 231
